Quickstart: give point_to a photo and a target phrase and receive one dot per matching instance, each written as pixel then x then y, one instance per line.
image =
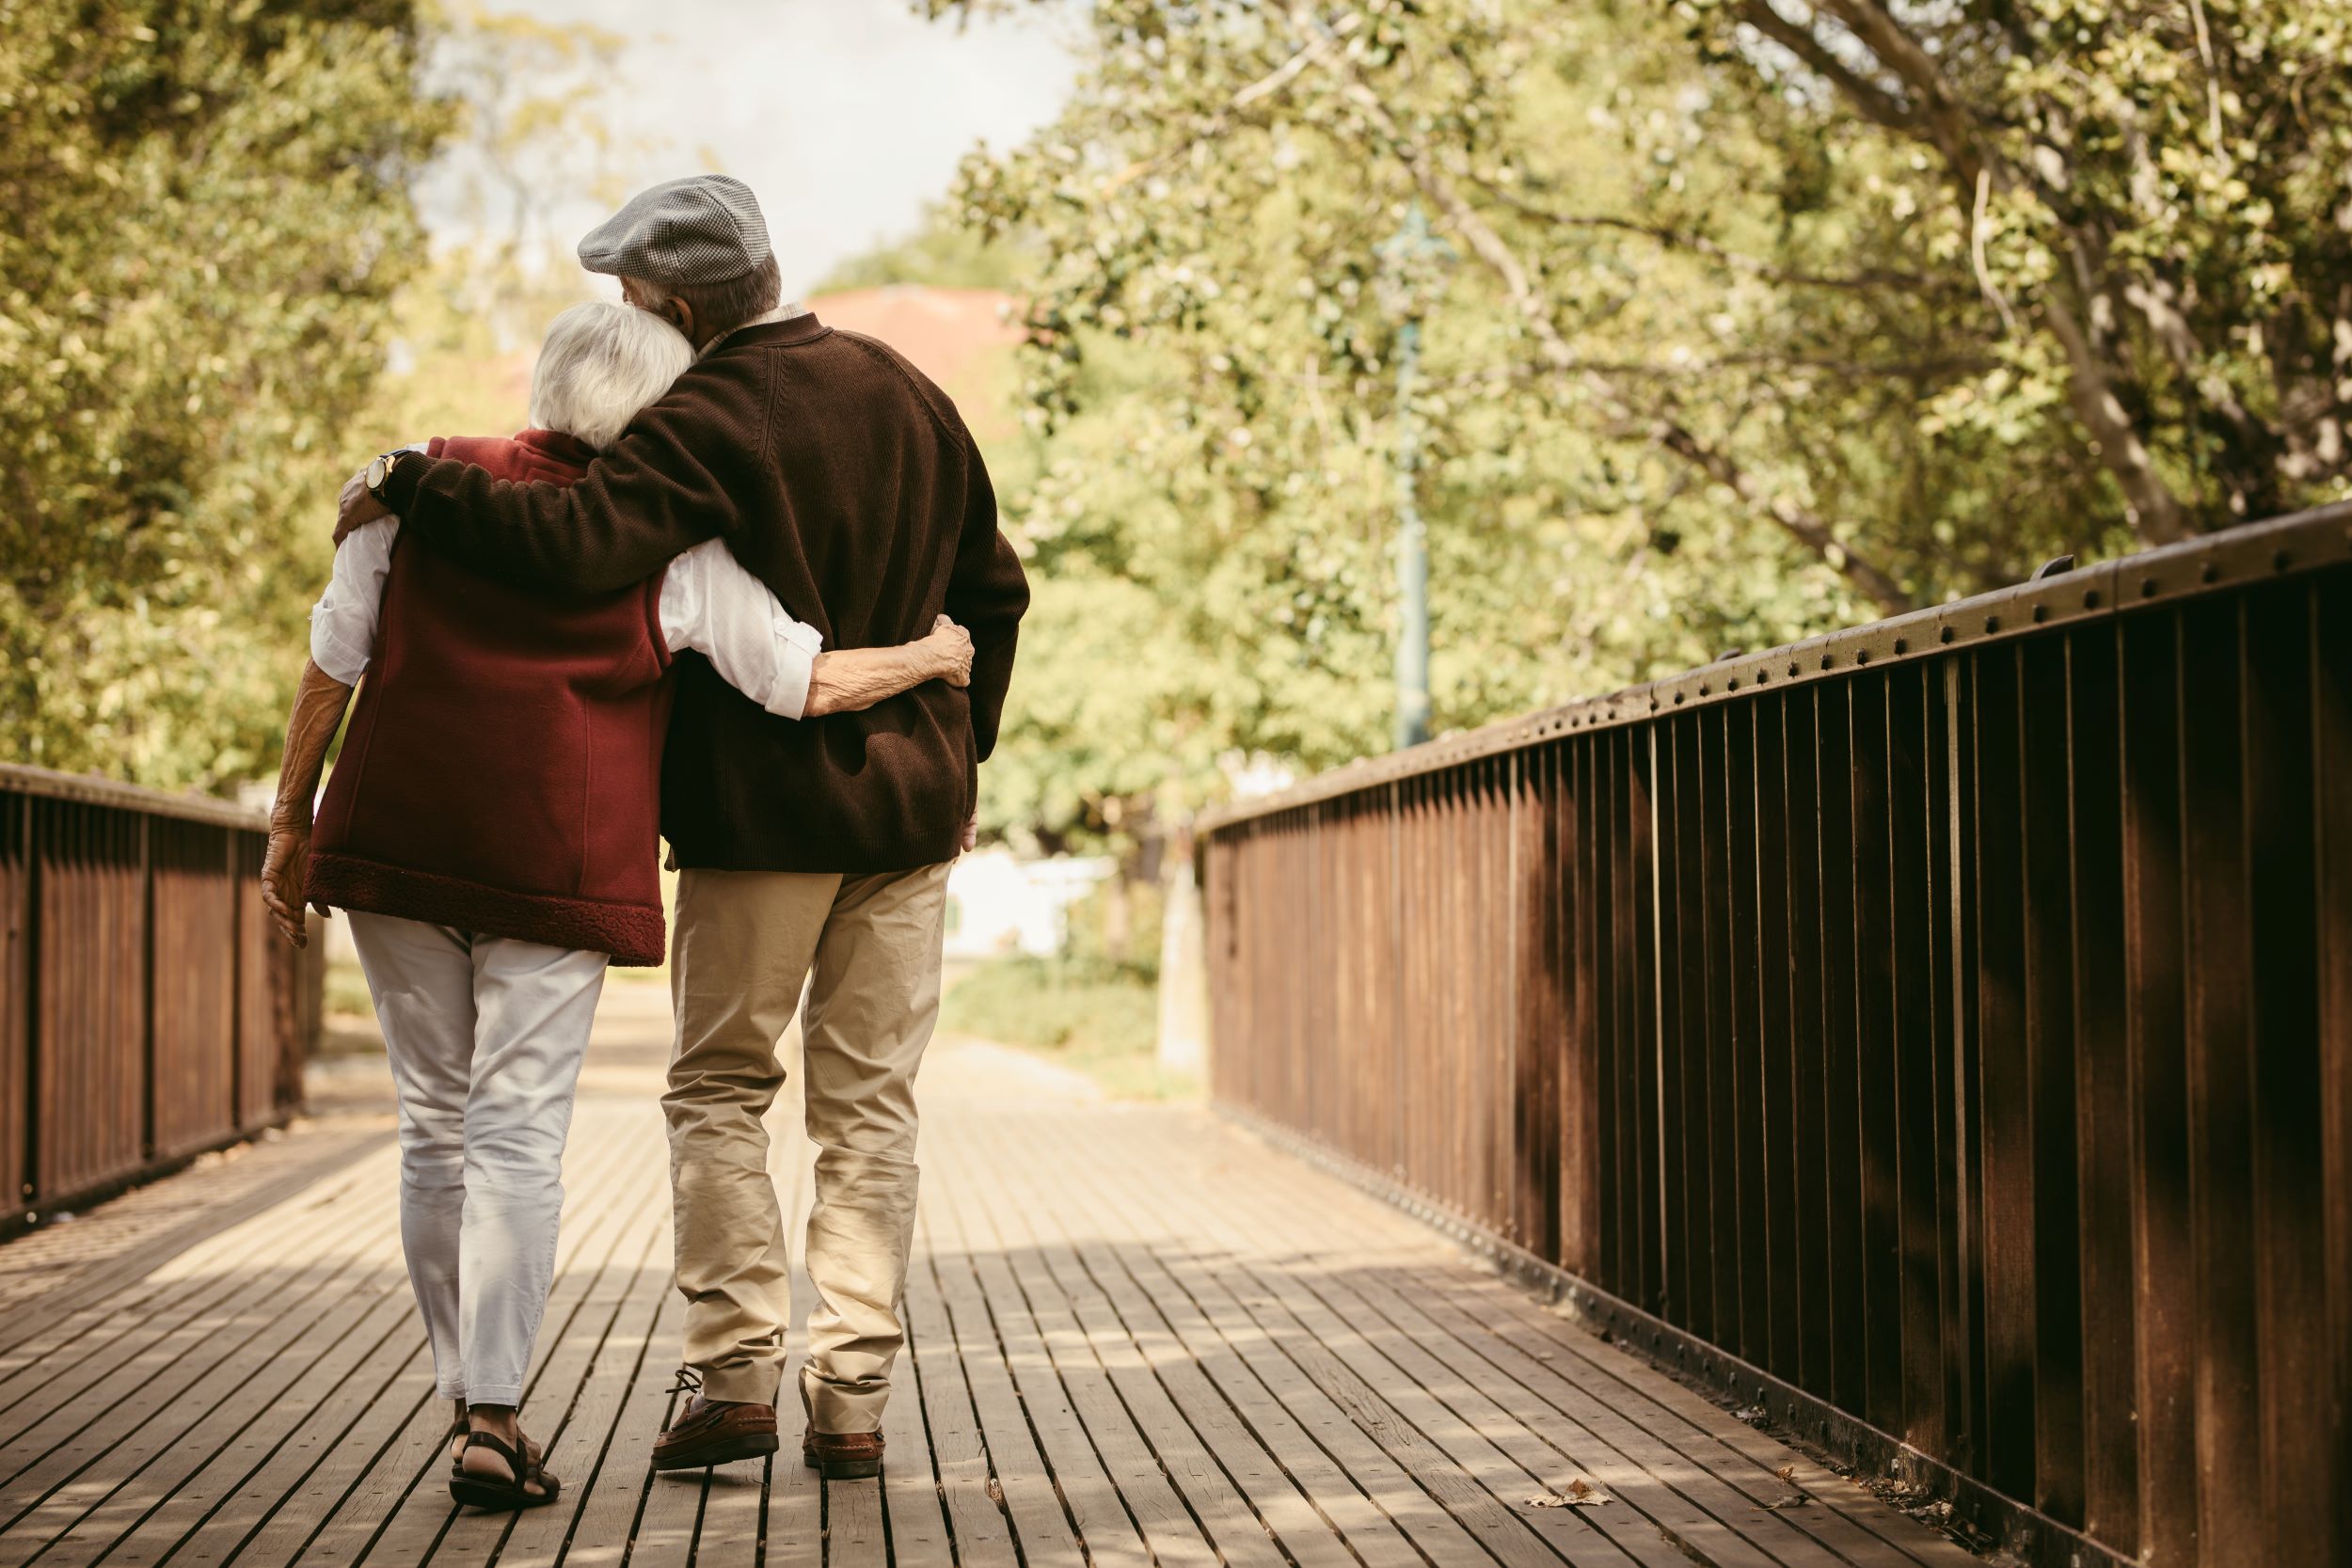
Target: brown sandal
pixel 504 1494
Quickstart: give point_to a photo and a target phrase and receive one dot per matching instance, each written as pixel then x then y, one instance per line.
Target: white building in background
pixel 998 903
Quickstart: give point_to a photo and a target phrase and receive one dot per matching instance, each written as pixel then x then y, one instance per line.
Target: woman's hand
pixel 950 647
pixel 285 872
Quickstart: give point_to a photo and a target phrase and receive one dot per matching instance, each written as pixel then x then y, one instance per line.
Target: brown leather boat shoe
pixel 842 1455
pixel 716 1432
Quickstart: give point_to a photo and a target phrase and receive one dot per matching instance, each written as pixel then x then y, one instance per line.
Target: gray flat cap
pixel 704 228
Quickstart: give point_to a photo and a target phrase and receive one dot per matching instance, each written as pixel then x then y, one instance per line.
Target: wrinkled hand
pixel 952 645
pixel 357 508
pixel 285 872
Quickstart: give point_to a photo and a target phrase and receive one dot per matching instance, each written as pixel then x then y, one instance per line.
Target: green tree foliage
pixel 1745 328
pixel 207 217
pixel 2156 197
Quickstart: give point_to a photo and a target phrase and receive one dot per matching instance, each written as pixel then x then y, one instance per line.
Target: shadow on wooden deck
pixel 1138 1337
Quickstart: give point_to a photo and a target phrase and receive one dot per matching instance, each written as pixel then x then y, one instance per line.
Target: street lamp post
pixel 1409 262
pixel 1413 552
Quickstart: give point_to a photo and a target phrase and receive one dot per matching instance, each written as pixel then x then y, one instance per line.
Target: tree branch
pixel 1930 111
pixel 1876 103
pixel 1793 518
pixel 1691 240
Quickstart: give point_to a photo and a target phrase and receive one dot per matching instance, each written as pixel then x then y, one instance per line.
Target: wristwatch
pixel 380 470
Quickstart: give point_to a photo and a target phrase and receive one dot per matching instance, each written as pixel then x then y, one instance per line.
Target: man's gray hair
pixel 724 307
pixel 602 363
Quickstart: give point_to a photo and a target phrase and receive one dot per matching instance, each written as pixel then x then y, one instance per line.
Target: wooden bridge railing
pixel 1939 1033
pixel 147 1012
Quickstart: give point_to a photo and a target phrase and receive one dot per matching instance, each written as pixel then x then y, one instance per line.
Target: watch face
pixel 377 469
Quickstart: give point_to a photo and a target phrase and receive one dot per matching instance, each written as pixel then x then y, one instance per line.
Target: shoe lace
pixel 689 1381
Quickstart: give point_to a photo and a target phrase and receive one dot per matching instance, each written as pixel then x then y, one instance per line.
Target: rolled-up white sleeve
pixel 343 622
pixel 710 604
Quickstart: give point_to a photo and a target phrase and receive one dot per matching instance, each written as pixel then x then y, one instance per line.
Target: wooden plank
pixel 1016 1470
pixel 1703 1518
pixel 2223 1288
pixel 1139 1287
pixel 78 1274
pixel 138 1406
pixel 1479 1427
pixel 982 1532
pixel 1743 1458
pixel 614 1490
pixel 52 1366
pixel 796 1500
pixel 276 1511
pixel 1476 1481
pixel 2155 938
pixel 239 1436
pixel 1615 1383
pixel 1388 1520
pixel 911 1498
pixel 1233 1485
pixel 2301 1426
pixel 1052 1382
pixel 1367 1519
pixel 2102 1071
pixel 2331 747
pixel 140 1453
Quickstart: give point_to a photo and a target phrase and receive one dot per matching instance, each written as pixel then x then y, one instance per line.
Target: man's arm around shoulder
pixel 661 491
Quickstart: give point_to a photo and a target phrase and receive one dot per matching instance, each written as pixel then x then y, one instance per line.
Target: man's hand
pixel 972 832
pixel 949 646
pixel 357 508
pixel 285 872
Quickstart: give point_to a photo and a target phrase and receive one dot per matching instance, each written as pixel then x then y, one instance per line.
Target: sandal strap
pixel 518 1464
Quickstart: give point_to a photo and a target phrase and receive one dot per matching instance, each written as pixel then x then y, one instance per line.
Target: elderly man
pixel 847 483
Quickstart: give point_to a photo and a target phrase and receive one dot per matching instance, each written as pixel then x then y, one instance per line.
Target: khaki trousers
pixel 868 948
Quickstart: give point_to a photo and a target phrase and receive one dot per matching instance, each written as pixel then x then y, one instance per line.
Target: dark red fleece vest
pixel 502 769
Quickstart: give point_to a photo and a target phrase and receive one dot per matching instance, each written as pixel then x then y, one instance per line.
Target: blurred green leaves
pixel 207 216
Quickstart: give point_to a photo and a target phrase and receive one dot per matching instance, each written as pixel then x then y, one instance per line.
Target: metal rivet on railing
pixel 1828 660
pixel 2147 588
pixel 1702 688
pixel 1901 646
pixel 2281 562
pixel 2212 573
pixel 1991 622
pixel 2041 613
pixel 1944 636
pixel 2090 598
pixel 1732 685
pixel 1862 656
pixel 1792 668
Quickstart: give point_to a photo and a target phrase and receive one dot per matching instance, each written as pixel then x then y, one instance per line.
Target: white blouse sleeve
pixel 343 622
pixel 710 604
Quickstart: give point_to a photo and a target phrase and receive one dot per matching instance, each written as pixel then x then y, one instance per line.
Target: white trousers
pixel 486 1036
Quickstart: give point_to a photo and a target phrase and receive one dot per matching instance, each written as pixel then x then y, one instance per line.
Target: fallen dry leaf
pixel 1581 1494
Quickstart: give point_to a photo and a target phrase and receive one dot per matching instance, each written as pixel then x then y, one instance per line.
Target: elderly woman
pixel 491 830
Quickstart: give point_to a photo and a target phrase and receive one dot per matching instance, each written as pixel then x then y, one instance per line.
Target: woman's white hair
pixel 600 364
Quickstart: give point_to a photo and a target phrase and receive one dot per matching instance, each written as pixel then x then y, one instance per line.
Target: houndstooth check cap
pixel 704 228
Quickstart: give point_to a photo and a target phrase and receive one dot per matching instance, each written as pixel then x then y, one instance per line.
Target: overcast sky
pixel 844 116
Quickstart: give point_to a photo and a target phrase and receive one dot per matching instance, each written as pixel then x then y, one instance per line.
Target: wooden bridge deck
pixel 1138 1337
